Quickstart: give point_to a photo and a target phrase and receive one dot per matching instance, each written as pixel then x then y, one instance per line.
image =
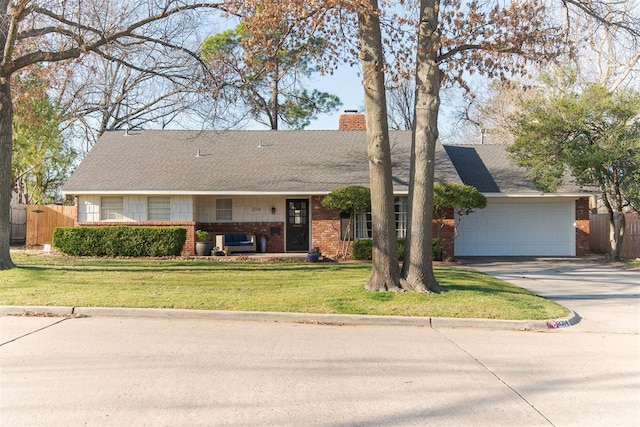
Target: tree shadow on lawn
pixel 467 281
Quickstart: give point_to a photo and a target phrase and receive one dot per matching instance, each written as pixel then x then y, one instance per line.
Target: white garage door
pixel 522 228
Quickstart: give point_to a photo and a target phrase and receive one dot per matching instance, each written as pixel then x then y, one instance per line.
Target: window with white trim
pixel 363 220
pixel 111 208
pixel 363 226
pixel 159 208
pixel 402 214
pixel 224 210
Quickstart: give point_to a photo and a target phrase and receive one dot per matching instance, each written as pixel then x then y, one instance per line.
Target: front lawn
pixel 52 280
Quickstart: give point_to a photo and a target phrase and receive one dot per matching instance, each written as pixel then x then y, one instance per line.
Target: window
pixel 159 208
pixel 401 209
pixel 363 220
pixel 111 209
pixel 224 210
pixel 363 226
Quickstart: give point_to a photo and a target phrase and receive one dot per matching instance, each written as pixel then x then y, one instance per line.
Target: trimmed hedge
pixel 362 249
pixel 119 241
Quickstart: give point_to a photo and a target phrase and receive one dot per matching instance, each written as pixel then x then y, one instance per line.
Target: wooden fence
pixel 42 219
pixel 599 238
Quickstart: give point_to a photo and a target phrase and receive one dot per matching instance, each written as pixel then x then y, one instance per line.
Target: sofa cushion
pixel 233 238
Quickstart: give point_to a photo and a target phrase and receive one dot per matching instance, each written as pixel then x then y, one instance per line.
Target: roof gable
pixel 488 168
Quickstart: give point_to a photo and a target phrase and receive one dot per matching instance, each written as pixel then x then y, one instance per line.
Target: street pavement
pixel 177 371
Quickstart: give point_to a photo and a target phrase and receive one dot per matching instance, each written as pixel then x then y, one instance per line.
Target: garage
pixel 523 227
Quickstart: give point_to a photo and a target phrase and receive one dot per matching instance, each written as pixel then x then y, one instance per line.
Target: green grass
pixel 51 280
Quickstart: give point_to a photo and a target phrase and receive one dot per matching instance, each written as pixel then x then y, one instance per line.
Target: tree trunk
pixel 385 275
pixel 6 146
pixel 273 102
pixel 616 235
pixel 6 143
pixel 417 269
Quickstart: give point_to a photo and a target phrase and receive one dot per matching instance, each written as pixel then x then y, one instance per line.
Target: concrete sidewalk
pixel 310 318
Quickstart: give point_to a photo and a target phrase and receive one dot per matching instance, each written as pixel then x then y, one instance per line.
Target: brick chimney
pixel 352 120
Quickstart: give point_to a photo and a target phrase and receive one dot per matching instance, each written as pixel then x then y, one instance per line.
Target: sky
pixel 347 85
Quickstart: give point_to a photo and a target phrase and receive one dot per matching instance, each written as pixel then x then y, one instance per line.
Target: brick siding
pixel 582 227
pixel 325 227
pixel 326 230
pixel 445 233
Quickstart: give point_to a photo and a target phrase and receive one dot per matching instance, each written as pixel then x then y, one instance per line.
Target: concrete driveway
pixel 117 371
pixel 606 298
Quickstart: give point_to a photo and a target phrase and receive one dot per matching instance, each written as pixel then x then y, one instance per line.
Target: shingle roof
pixel 239 161
pixel 488 168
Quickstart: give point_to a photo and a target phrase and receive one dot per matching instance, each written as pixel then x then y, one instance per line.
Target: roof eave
pixel 188 193
pixel 537 194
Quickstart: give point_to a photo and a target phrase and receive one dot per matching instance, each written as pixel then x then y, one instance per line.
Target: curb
pixel 309 318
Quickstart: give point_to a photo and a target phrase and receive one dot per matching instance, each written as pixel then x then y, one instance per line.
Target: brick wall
pixel 582 227
pixel 325 227
pixel 326 230
pixel 189 245
pixel 445 232
pixel 352 121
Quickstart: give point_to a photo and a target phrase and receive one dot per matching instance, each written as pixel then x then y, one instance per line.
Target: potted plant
pixel 262 243
pixel 216 251
pixel 204 245
pixel 313 255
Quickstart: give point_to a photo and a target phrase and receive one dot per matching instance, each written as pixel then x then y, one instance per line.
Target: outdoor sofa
pixel 236 242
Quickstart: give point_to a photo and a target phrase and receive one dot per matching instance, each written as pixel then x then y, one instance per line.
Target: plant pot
pixel 204 248
pixel 313 257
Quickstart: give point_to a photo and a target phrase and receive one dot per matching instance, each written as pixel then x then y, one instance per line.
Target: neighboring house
pixel 270 183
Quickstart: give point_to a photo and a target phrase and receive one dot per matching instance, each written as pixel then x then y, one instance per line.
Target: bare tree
pixel 39 31
pixel 400 100
pixel 608 55
pixel 97 95
pixel 605 54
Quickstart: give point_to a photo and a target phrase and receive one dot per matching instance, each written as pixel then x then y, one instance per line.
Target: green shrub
pixel 362 249
pixel 435 250
pixel 119 241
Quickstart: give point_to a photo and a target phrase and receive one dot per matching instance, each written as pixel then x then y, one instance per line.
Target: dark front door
pixel 297 225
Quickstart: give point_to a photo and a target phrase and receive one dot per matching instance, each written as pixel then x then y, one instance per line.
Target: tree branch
pixel 101 39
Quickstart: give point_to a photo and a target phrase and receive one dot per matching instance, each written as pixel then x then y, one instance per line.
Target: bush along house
pixel 268 185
